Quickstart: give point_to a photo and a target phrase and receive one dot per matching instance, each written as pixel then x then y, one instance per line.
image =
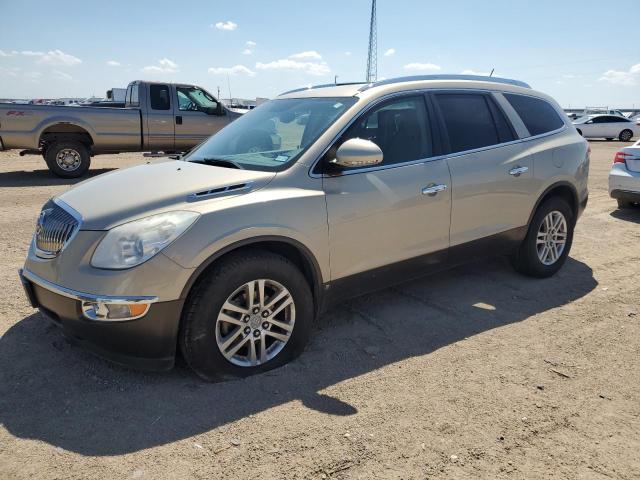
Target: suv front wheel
pixel 250 313
pixel 548 241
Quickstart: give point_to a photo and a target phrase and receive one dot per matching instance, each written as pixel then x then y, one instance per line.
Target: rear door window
pixel 159 97
pixel 537 115
pixel 468 120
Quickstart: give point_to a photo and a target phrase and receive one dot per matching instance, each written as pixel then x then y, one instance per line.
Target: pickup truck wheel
pixel 67 159
pixel 250 313
pixel 548 241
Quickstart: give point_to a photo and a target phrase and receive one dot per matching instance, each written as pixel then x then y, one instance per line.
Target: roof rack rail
pixel 324 85
pixel 416 78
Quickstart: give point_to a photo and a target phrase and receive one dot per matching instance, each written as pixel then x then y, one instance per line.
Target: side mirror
pixel 220 109
pixel 358 152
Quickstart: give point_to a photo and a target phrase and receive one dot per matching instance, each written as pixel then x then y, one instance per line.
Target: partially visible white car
pixel 624 177
pixel 607 126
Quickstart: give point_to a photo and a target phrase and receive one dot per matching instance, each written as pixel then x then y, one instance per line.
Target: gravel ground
pixel 474 373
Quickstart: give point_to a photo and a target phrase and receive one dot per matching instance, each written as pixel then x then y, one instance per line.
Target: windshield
pixel 272 136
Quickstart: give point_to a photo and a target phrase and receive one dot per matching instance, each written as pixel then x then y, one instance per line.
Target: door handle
pixel 178 119
pixel 433 189
pixel 517 171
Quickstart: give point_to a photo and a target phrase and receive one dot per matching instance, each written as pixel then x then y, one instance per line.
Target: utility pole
pixel 372 58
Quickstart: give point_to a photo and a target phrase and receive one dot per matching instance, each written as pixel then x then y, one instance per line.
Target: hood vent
pixel 214 192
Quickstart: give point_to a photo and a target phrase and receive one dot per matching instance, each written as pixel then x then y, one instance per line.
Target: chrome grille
pixel 54 230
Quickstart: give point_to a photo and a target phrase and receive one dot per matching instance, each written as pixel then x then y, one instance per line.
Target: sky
pixel 582 52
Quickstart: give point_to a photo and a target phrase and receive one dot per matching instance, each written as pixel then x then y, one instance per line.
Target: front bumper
pixel 147 343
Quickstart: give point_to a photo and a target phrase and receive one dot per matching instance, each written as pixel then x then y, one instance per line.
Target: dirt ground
pixel 474 373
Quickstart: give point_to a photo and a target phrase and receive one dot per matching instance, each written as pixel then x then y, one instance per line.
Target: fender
pixel 64 120
pixel 545 192
pixel 308 256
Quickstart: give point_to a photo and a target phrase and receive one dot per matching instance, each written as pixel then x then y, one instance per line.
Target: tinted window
pixel 505 130
pixel 536 114
pixel 159 97
pixel 468 119
pixel 400 128
pixel 616 119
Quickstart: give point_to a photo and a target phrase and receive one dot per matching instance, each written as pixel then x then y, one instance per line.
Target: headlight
pixel 136 242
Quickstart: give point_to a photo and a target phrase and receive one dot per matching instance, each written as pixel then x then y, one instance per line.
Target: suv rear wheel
pixel 548 241
pixel 67 159
pixel 250 313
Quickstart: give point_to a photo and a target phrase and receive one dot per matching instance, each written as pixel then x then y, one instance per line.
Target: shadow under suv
pixel 323 193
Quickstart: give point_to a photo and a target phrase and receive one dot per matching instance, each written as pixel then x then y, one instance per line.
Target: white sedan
pixel 607 126
pixel 624 177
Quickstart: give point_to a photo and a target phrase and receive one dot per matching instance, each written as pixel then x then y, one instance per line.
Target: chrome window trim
pixel 77 217
pixel 83 296
pixel 422 91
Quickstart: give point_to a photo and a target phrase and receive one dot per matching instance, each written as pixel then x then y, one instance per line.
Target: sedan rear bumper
pixel 146 343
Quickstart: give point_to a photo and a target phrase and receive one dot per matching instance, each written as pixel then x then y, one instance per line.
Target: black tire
pixel 74 149
pixel 609 139
pixel 198 326
pixel 625 135
pixel 624 203
pixel 526 260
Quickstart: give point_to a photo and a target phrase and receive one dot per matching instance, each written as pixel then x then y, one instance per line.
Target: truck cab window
pixel 193 99
pixel 135 99
pixel 159 97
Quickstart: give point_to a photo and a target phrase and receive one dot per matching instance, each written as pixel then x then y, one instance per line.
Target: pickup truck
pixel 157 117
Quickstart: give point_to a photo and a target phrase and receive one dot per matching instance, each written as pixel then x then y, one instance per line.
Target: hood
pixel 123 195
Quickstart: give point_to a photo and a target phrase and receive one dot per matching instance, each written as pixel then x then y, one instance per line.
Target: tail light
pixel 620 157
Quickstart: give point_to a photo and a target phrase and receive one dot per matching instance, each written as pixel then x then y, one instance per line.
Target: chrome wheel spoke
pixel 230 339
pixel 253 357
pixel 282 306
pixel 229 319
pixel 282 325
pixel 237 347
pixel 277 336
pixel 234 308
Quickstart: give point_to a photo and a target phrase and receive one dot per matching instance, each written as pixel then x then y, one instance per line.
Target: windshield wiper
pixel 219 162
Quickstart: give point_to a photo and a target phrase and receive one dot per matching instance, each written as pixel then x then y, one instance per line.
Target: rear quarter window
pixel 537 115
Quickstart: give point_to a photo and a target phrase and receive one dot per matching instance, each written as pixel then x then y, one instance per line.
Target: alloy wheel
pixel 255 323
pixel 551 238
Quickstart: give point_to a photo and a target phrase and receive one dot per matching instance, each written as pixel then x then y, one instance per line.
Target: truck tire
pixel 67 159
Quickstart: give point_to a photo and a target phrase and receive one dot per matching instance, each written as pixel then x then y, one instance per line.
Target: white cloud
pixel 390 52
pixel 61 75
pixel 4 54
pixel 251 44
pixel 57 58
pixel 474 72
pixel 311 68
pixel 33 76
pixel 348 54
pixel 422 67
pixel 113 63
pixel 311 54
pixel 164 66
pixel 235 70
pixel 247 51
pixel 229 26
pixel 29 53
pixel 627 78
